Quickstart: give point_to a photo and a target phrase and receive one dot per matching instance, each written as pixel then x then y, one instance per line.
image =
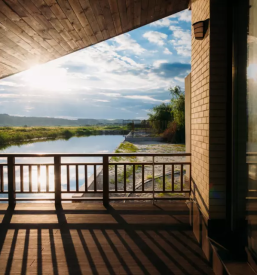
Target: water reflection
pixel 82 145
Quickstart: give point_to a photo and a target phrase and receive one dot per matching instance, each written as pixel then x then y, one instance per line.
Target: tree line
pixel 173 113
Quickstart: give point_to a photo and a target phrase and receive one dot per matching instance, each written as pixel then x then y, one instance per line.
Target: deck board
pixel 87 238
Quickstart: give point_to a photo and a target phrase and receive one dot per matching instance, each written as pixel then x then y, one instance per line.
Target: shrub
pixel 170 133
pixel 67 134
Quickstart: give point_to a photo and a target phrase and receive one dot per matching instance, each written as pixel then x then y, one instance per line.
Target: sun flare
pixel 47 77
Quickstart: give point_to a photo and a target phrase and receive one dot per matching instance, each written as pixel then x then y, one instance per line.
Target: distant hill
pixel 7 120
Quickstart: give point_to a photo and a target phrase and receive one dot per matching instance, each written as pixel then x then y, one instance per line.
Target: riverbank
pixel 18 135
pixel 152 147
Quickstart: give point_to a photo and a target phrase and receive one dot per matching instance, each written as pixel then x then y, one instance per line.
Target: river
pixel 83 145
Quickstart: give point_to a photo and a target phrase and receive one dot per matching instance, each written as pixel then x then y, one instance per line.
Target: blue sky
pixel 123 77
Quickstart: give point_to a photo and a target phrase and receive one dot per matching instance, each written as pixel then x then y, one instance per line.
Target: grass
pixel 17 135
pixel 125 147
pixel 168 187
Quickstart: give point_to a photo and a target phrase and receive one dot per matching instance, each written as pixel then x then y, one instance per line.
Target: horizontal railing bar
pixel 33 192
pixel 81 192
pixel 113 191
pixel 149 163
pixel 84 199
pixel 33 199
pixel 95 155
pixel 81 163
pixel 149 192
pixel 33 164
pixel 100 163
pixel 145 199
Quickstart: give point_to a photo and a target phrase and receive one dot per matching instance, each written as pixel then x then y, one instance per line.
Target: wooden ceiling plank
pixel 115 15
pixel 23 46
pixel 19 15
pixel 163 7
pixel 123 15
pixel 37 39
pixel 108 17
pixel 12 49
pixel 137 13
pixel 11 57
pixel 157 8
pixel 176 6
pixel 150 12
pixel 91 19
pixel 77 8
pixel 144 12
pixel 18 30
pixel 16 24
pixel 68 11
pixel 9 60
pixel 130 13
pixel 99 17
pixel 47 26
pixel 58 13
pixel 7 69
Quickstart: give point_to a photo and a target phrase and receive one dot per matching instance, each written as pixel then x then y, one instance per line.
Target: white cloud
pixel 183 16
pixel 167 51
pixel 179 79
pixel 143 97
pixel 165 22
pixel 181 41
pixel 10 83
pixel 126 43
pixel 111 94
pixel 156 37
pixel 157 63
pixel 102 100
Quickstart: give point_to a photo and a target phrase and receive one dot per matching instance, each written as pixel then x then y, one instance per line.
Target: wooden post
pixel 57 179
pixel 105 180
pixel 11 181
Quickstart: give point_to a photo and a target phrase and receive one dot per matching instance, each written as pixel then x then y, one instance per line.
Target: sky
pixel 123 77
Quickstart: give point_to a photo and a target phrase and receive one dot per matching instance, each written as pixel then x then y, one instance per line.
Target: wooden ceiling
pixel 37 31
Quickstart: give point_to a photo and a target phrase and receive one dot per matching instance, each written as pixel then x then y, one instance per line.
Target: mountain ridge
pixel 8 120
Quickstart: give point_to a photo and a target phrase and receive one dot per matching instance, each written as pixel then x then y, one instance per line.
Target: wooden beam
pixel 91 18
pixel 123 15
pixel 115 15
pixel 137 13
pixel 95 5
pixel 106 11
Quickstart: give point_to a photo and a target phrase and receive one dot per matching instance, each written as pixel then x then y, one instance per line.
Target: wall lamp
pixel 200 29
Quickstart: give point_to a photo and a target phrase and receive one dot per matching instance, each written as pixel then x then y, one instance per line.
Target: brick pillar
pixel 200 92
pixel 209 107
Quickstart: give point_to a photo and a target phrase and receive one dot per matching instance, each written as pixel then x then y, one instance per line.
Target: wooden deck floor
pixel 126 238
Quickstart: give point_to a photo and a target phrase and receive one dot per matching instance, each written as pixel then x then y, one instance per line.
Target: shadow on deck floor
pixel 126 238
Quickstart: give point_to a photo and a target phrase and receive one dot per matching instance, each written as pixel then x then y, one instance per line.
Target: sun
pixel 48 77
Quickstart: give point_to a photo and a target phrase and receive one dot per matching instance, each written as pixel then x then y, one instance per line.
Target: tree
pixel 178 111
pixel 160 116
pixel 178 105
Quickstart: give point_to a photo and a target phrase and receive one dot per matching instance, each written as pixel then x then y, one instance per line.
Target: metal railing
pixel 132 178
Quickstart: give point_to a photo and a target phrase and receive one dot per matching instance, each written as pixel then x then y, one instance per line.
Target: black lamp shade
pixel 200 29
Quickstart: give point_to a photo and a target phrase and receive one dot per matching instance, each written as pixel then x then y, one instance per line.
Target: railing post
pixel 57 179
pixel 105 180
pixel 11 181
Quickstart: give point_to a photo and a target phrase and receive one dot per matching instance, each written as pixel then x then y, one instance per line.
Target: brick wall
pixel 200 106
pixel 209 108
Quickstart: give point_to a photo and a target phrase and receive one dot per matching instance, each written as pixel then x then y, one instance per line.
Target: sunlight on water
pixel 86 145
